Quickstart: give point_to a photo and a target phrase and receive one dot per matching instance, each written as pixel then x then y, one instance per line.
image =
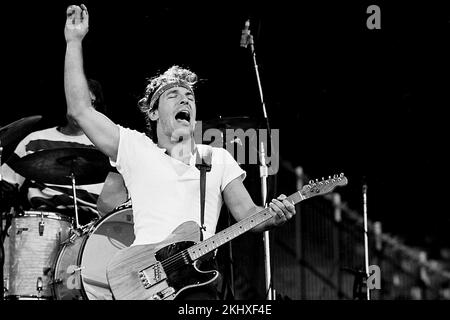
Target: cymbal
pixel 12 133
pixel 231 123
pixel 55 166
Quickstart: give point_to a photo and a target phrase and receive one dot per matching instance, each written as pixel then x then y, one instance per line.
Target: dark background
pixel 369 103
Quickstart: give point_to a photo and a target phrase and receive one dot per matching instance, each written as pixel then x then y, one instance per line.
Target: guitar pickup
pixel 152 275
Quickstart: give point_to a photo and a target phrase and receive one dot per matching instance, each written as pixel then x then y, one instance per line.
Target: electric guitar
pixel 161 271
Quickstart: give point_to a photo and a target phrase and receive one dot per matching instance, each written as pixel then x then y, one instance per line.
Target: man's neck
pixel 181 150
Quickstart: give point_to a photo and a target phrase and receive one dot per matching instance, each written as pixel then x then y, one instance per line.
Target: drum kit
pixel 51 256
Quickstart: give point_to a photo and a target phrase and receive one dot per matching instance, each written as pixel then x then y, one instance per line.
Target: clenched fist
pixel 77 23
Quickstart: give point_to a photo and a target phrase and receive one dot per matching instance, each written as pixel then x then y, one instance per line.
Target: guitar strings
pixel 180 258
pixel 176 261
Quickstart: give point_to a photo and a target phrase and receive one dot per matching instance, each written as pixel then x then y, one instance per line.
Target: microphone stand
pixel 361 276
pixel 366 240
pixel 247 39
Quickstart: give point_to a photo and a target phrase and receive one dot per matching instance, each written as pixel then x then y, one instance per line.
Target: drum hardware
pixel 77 233
pixel 55 281
pixel 39 286
pixel 5 286
pixel 72 176
pixel 41 226
pixel 72 269
pixel 71 239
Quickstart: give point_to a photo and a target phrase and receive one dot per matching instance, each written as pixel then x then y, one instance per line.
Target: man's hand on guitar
pixel 77 23
pixel 281 209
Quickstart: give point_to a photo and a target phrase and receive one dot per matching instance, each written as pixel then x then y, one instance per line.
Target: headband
pixel 164 88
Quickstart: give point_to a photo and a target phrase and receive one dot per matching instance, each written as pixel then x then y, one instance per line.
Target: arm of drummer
pixel 103 133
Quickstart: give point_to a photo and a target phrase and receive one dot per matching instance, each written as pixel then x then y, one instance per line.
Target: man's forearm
pixel 75 83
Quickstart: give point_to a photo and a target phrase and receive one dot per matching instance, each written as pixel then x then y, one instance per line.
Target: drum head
pixel 112 233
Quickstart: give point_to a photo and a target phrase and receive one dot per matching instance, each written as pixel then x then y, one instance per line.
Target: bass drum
pixel 80 269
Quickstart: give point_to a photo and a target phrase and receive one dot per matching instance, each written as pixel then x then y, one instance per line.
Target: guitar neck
pixel 228 234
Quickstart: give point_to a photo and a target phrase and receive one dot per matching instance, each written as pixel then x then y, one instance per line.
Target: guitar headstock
pixel 316 188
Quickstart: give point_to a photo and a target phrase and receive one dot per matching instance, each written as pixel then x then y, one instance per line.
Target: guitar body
pixel 136 273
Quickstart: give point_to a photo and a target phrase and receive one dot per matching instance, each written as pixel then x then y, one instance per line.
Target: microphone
pixel 245 34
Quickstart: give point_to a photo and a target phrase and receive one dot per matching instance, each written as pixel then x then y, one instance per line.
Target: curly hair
pixel 174 76
pixel 96 88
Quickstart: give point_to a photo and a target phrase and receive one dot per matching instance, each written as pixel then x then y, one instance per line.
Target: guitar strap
pixel 204 165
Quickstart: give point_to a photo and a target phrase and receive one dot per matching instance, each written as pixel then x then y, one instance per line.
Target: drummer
pixel 35 195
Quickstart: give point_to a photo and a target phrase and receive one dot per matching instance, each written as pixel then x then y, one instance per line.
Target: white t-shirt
pixel 164 191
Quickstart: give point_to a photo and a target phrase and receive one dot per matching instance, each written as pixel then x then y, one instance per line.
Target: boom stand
pixel 247 39
pixel 74 190
pixel 366 240
pixel 263 174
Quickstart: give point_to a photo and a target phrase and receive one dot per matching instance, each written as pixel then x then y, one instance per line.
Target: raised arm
pixel 103 133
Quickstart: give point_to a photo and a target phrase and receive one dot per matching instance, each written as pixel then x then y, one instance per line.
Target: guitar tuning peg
pixel 323 178
pixel 317 180
pixel 342 174
pixel 335 176
pixel 311 181
pixel 329 177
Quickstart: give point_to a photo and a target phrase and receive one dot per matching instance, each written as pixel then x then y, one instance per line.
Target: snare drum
pixel 80 269
pixel 31 246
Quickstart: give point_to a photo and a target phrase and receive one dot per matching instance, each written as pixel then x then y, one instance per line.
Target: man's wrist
pixel 75 43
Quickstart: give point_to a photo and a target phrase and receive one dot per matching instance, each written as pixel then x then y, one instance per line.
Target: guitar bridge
pixel 152 275
pixel 163 294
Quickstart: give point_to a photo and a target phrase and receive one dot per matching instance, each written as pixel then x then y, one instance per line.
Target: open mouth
pixel 183 115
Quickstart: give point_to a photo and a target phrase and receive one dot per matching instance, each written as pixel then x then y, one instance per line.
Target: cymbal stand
pixel 247 39
pixel 366 240
pixel 72 177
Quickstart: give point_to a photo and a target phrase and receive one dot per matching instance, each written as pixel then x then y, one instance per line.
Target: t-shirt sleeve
pixel 231 169
pixel 126 151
